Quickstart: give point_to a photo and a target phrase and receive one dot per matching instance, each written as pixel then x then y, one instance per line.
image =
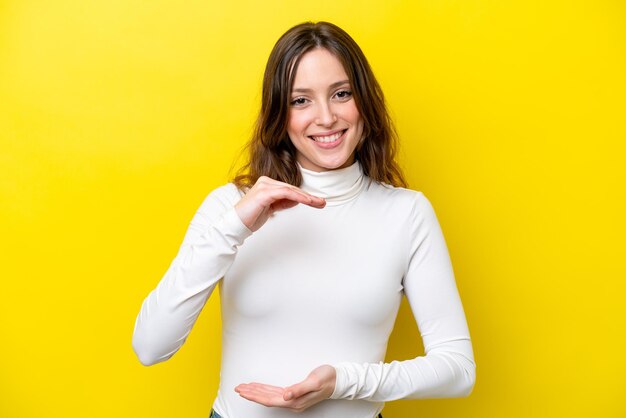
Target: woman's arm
pixel 221 224
pixel 208 250
pixel 448 368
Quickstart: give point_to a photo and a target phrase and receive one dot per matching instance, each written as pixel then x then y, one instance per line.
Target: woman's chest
pixel 341 264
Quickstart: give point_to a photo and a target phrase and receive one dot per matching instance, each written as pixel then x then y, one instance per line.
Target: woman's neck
pixel 336 186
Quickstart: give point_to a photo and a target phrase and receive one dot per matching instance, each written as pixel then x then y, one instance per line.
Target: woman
pixel 313 246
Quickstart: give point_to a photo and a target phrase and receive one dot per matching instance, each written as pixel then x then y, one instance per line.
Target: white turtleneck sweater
pixel 317 286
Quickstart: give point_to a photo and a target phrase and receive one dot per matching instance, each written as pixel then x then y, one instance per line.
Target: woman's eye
pixel 298 101
pixel 344 94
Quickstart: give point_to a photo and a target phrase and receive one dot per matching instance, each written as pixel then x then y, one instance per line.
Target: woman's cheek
pixel 297 122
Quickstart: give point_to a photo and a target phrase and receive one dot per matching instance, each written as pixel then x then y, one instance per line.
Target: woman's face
pixel 323 121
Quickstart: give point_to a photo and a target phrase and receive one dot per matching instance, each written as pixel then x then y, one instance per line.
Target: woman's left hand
pixel 318 386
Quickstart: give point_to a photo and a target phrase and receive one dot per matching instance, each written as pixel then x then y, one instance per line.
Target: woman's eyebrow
pixel 332 86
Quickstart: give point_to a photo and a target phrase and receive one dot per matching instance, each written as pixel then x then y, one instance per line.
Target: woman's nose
pixel 325 116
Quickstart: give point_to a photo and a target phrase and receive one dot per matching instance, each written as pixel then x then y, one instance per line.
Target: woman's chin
pixel 327 165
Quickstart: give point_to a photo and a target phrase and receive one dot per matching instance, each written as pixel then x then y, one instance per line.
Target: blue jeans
pixel 216 415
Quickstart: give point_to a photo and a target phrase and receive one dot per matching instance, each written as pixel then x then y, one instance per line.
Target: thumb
pixel 283 204
pixel 299 389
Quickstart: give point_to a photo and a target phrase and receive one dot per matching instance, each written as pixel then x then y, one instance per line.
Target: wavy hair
pixel 271 152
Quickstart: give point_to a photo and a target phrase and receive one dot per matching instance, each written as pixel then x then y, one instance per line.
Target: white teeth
pixel 330 138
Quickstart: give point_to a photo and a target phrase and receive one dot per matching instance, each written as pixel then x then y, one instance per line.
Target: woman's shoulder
pixel 228 191
pixel 401 200
pixel 404 203
pixel 221 197
pixel 400 195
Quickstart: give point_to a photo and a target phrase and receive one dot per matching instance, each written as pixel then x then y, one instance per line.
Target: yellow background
pixel 118 117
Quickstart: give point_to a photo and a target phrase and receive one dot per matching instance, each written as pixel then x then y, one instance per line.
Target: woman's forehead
pixel 319 68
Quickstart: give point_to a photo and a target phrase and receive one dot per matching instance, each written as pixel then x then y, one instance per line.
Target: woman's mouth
pixel 329 141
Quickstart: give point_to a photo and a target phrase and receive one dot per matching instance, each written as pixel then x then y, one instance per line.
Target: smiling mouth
pixel 328 138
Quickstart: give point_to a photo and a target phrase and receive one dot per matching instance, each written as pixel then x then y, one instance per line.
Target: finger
pixel 260 388
pixel 300 389
pixel 283 204
pixel 264 394
pixel 315 200
pixel 291 194
pixel 304 401
pixel 261 398
pixel 277 183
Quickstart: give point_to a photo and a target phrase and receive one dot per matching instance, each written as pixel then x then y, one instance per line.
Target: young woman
pixel 313 246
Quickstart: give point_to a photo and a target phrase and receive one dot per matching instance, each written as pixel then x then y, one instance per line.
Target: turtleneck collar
pixel 336 186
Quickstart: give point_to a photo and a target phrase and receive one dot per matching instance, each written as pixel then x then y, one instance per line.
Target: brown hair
pixel 271 152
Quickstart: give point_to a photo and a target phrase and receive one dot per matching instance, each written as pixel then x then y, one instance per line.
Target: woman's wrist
pixel 330 379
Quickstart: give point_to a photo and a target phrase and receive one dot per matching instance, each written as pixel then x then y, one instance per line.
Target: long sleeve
pixel 448 368
pixel 208 250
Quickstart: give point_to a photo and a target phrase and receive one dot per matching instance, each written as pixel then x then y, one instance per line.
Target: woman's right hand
pixel 268 196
